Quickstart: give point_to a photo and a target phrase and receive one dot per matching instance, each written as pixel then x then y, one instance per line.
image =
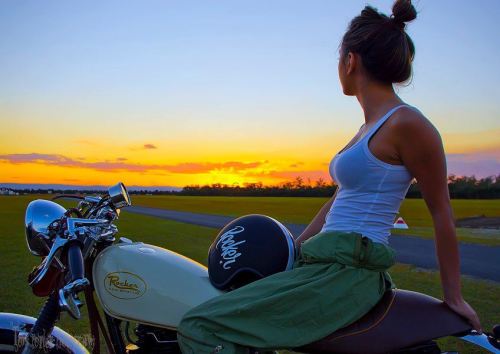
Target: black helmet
pixel 249 248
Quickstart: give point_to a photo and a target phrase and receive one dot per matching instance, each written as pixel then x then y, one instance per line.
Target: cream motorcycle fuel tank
pixel 149 284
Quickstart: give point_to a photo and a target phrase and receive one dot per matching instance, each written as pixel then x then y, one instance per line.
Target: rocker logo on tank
pixel 124 285
pixel 229 247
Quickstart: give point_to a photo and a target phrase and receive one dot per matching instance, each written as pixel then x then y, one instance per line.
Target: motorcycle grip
pixel 75 261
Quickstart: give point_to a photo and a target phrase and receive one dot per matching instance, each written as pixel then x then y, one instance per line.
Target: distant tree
pixel 320 183
pixel 465 187
pixel 459 187
pixel 299 182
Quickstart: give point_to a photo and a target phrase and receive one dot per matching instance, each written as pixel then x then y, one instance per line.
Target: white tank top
pixel 370 190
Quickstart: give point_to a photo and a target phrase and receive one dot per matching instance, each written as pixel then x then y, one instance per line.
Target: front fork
pixel 37 339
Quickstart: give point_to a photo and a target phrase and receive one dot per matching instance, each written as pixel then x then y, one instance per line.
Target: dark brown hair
pixel 385 48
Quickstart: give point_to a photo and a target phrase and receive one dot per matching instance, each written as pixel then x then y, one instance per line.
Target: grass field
pixel 192 241
pixel 301 211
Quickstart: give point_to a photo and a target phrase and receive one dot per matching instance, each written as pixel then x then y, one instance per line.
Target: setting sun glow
pixel 228 92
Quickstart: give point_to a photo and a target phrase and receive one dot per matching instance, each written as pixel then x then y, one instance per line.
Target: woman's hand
pixel 465 310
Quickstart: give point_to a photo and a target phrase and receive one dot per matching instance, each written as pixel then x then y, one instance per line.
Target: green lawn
pixel 301 210
pixel 192 241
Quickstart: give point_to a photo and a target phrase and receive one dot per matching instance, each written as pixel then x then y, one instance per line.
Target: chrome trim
pixel 119 196
pixel 125 240
pixel 160 341
pixel 92 199
pixel 73 225
pixel 68 298
pixel 76 227
pixel 58 244
pixel 480 340
pixel 18 323
pixel 39 216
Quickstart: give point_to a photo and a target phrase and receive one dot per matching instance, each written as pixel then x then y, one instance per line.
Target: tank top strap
pixel 382 120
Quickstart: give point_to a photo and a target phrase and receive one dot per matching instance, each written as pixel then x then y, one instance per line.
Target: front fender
pixel 13 330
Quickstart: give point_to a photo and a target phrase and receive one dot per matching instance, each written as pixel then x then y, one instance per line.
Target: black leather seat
pixel 401 319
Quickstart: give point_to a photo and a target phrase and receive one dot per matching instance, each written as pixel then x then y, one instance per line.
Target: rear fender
pixel 15 327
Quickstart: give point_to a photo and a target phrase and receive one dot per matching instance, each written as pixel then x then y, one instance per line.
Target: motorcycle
pixel 153 287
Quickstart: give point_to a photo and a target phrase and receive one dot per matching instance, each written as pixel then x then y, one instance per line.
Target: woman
pixel 330 286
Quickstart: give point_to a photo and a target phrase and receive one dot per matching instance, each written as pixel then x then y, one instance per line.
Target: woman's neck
pixel 376 99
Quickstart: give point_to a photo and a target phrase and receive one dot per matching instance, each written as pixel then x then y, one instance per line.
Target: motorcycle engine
pixel 155 340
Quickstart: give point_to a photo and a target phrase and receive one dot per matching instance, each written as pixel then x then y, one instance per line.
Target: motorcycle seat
pixel 401 319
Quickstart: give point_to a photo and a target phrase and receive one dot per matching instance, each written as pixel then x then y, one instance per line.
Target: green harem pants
pixel 337 278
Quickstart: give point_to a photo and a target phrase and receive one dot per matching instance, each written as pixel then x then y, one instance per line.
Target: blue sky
pixel 219 73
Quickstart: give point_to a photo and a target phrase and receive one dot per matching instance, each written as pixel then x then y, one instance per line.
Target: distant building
pixel 5 191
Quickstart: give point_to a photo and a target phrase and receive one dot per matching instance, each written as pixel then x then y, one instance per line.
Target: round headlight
pixel 39 215
pixel 119 196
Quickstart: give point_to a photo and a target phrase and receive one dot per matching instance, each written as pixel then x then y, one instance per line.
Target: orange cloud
pixel 121 165
pixel 150 146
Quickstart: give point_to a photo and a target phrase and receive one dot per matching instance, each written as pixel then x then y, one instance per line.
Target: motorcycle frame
pixel 112 331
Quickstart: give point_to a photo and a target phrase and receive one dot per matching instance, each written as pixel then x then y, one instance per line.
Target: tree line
pixel 459 188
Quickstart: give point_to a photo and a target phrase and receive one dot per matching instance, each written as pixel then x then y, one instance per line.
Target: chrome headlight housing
pixel 40 214
pixel 119 196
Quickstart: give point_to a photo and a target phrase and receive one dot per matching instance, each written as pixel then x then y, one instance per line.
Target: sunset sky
pixel 173 93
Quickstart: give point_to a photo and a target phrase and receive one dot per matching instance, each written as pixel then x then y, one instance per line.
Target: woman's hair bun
pixel 403 11
pixel 386 50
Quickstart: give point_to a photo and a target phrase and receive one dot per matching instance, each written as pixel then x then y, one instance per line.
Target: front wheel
pixel 14 329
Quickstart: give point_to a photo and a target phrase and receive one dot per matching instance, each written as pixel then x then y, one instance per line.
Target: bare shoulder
pixel 409 117
pixel 410 124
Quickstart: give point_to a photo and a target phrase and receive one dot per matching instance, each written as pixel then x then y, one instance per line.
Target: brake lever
pixel 68 297
pixel 59 244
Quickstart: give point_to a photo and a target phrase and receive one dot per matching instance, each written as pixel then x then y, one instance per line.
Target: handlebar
pixel 75 261
pixel 68 299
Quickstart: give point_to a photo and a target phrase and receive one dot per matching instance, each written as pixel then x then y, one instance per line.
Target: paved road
pixel 476 260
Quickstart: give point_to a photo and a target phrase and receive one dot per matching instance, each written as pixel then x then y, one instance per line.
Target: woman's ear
pixel 351 62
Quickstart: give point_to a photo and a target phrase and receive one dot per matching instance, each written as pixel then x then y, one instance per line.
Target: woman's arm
pixel 316 224
pixel 421 150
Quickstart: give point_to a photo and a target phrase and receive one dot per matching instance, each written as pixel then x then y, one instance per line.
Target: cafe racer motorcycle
pixel 151 288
